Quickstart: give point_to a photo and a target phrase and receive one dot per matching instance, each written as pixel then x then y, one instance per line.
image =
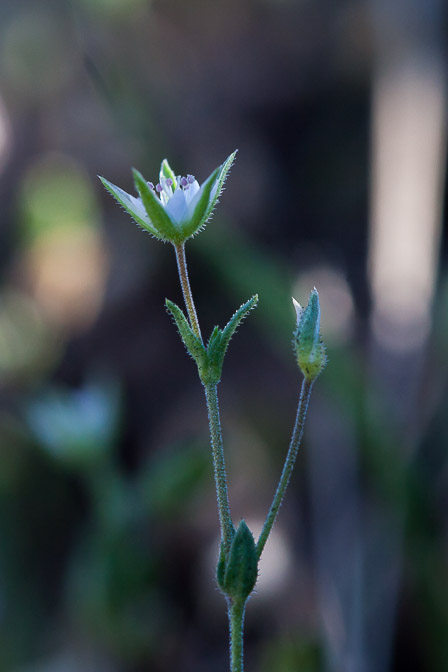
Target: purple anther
pixel 151 186
pixel 159 187
pixel 190 179
pixel 183 181
pixel 169 181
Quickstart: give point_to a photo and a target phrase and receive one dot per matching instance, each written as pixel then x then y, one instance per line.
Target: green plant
pixel 173 211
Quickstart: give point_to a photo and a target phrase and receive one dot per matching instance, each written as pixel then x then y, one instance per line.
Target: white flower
pixel 177 207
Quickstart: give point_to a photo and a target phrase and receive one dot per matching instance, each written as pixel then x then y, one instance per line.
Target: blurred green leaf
pixel 292 654
pixel 56 194
pixel 171 479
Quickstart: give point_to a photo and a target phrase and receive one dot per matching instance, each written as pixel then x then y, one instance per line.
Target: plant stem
pixel 236 624
pixel 211 395
pixel 296 438
pixel 225 520
pixel 185 283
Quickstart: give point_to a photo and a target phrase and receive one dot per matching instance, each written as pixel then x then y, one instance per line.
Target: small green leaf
pixel 240 575
pixel 197 218
pixel 219 340
pixel 216 334
pixel 132 205
pixel 155 210
pixel 166 172
pixel 236 319
pixel 190 340
pixel 224 170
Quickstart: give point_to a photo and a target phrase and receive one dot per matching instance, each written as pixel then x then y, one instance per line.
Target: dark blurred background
pixel 108 524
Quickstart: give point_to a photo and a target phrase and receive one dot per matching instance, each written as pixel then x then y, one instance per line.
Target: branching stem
pixel 237 608
pixel 296 438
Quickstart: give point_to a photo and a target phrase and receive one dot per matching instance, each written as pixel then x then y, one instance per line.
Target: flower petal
pixel 191 192
pixel 177 206
pixel 299 309
pixel 160 219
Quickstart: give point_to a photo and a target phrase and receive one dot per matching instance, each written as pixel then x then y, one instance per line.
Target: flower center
pixel 165 187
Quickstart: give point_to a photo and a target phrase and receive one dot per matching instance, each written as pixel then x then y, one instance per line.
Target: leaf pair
pixel 209 359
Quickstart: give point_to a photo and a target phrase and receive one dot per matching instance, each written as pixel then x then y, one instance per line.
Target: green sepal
pixel 193 344
pixel 237 574
pixel 197 219
pixel 160 219
pixel 220 338
pixel 224 170
pixel 132 206
pixel 166 172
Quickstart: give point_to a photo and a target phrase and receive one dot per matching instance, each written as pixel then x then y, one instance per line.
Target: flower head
pixel 308 345
pixel 177 207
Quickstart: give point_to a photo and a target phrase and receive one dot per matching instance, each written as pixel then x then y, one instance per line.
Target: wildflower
pixel 308 345
pixel 177 207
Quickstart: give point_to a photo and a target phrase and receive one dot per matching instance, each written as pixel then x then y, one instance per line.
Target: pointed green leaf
pixel 224 170
pixel 196 219
pixel 216 334
pixel 156 212
pixel 219 340
pixel 190 340
pixel 132 205
pixel 167 172
pixel 236 319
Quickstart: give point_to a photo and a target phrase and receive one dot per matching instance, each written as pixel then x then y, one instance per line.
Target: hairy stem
pixel 236 626
pixel 186 289
pixel 236 609
pixel 296 438
pixel 211 395
pixel 225 520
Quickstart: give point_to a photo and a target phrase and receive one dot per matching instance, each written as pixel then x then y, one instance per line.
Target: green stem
pixel 186 289
pixel 236 625
pixel 211 395
pixel 296 438
pixel 225 520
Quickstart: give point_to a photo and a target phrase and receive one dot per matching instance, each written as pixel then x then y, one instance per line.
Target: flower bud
pixel 309 349
pixel 237 574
